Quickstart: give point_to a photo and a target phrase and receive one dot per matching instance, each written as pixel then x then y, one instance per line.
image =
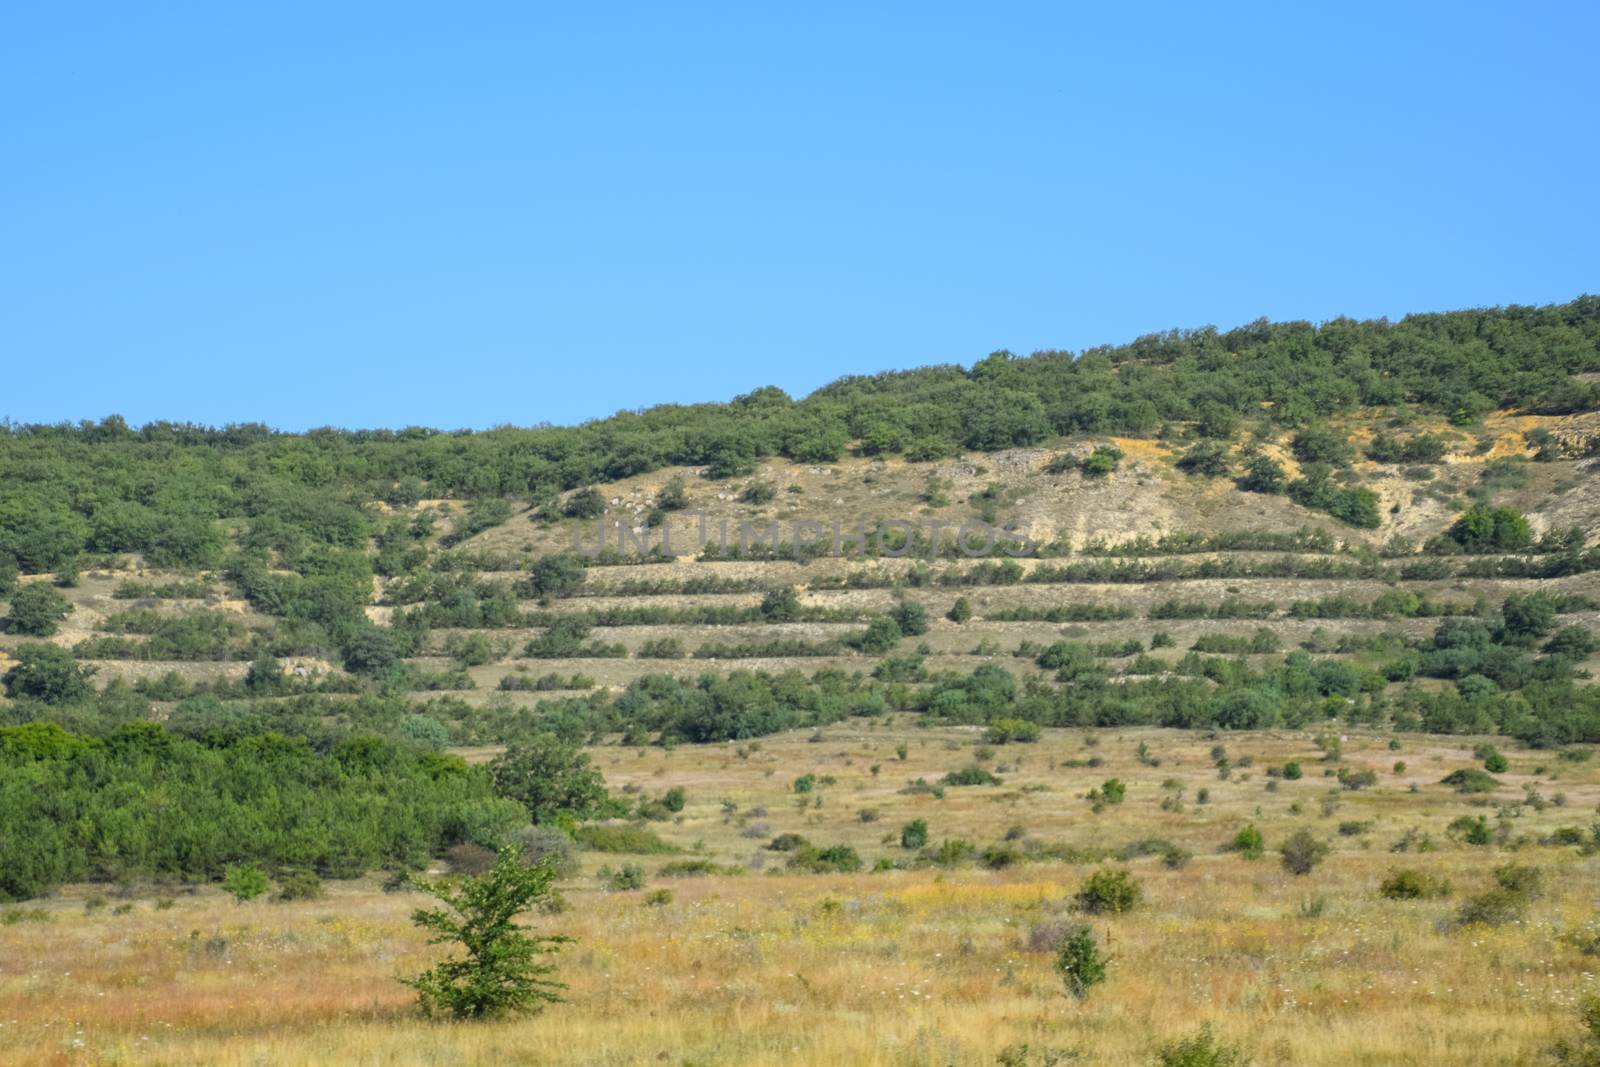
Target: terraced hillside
pixel 1166 578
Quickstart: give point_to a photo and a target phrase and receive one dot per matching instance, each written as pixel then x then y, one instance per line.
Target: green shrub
pixel 1471 780
pixel 1527 882
pixel 1006 731
pixel 1079 962
pixel 1409 884
pixel 298 883
pixel 911 617
pixel 628 877
pixel 632 840
pixel 1497 907
pixel 1302 852
pixel 835 859
pixel 1109 792
pixel 788 842
pixel 970 775
pixel 36 610
pixel 1202 1050
pixel 1110 890
pixel 1585 1051
pixel 246 881
pixel 585 504
pixel 914 834
pixel 1248 843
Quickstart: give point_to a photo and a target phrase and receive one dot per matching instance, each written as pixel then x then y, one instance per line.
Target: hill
pixel 991 600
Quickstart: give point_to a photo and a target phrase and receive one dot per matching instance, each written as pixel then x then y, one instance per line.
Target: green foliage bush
pixel 247 798
pixel 1248 843
pixel 971 774
pixel 245 881
pixel 36 610
pixel 1410 884
pixel 914 835
pixel 1471 780
pixel 47 673
pixel 1110 890
pixel 1201 1050
pixel 1302 852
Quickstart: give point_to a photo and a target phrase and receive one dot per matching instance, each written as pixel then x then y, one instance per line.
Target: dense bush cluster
pixel 143 802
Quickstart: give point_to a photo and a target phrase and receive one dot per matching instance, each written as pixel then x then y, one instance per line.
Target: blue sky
pixel 464 215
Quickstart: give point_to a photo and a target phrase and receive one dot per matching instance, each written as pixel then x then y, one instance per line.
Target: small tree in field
pixel 503 971
pixel 1079 963
pixel 245 881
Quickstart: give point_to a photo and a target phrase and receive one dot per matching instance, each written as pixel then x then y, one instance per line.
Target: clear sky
pixel 460 215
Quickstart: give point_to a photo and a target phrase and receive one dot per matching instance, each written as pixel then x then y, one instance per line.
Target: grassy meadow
pixel 936 966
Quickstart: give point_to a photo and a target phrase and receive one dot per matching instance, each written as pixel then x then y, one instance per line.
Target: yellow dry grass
pixel 927 968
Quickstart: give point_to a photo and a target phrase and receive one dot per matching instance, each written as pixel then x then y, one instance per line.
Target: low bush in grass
pixel 1410 884
pixel 298 883
pixel 1111 890
pixel 1302 852
pixel 1471 780
pixel 1202 1050
pixel 694 869
pixel 631 840
pixel 835 859
pixel 1007 731
pixel 970 775
pixel 1248 843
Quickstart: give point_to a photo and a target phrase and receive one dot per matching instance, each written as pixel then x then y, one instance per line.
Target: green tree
pixel 245 881
pixel 780 605
pixel 265 675
pixel 585 504
pixel 548 777
pixel 1529 617
pixel 1482 528
pixel 503 968
pixel 37 610
pixel 1079 963
pixel 880 636
pixel 1263 474
pixel 1207 458
pixel 1318 444
pixel 911 617
pixel 558 574
pixel 47 673
pixel 960 611
pixel 371 652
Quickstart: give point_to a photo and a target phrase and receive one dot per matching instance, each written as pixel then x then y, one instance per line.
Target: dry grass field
pixel 929 967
